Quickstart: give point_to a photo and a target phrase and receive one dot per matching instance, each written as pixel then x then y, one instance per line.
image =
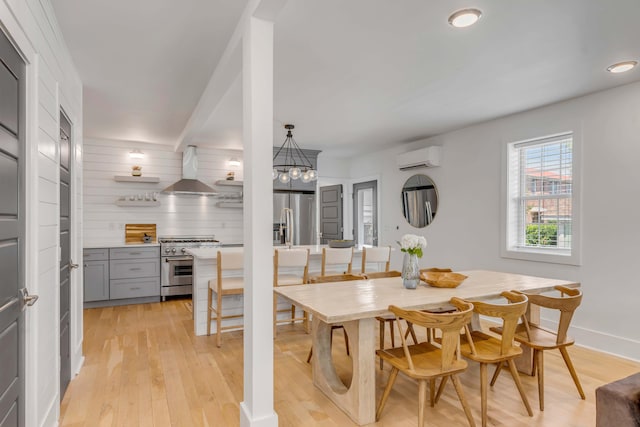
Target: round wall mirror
pixel 419 200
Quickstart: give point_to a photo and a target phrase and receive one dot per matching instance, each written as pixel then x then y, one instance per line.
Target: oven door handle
pixel 187 258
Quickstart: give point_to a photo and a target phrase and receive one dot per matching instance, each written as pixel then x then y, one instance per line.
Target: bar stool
pixel 336 256
pixel 224 285
pixel 379 255
pixel 291 259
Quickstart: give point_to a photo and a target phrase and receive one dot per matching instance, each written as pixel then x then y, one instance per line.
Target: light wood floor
pixel 144 367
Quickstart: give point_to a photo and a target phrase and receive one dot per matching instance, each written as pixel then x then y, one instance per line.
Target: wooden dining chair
pixel 224 285
pixel 389 318
pixel 379 255
pixel 540 339
pixel 330 279
pixel 486 349
pixel 296 265
pixel 426 361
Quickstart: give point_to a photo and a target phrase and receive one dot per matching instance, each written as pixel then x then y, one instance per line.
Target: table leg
pixel 358 400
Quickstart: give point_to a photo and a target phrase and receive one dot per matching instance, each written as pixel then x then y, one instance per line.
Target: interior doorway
pixel 365 213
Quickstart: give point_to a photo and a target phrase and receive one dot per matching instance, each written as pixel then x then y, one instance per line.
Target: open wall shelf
pixel 128 178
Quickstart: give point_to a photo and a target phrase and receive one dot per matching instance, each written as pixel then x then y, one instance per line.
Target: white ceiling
pixel 351 75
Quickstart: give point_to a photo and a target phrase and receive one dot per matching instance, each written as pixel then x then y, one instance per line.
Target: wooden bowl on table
pixel 442 277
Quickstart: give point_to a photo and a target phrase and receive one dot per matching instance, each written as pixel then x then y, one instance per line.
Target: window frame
pixel 570 256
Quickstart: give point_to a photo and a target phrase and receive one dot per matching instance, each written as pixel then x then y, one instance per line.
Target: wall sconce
pixel 136 154
pixel 234 162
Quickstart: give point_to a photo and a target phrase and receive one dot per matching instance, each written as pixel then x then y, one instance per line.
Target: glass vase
pixel 410 271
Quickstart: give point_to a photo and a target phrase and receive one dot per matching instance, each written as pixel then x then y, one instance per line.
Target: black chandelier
pixel 292 162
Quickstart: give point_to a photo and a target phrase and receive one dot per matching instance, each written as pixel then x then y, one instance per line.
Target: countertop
pixel 122 245
pixel 210 253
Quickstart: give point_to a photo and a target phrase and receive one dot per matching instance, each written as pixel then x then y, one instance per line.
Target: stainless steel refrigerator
pixel 303 206
pixel 419 205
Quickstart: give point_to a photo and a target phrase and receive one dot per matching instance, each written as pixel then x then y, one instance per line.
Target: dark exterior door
pixel 65 259
pixel 330 213
pixel 12 225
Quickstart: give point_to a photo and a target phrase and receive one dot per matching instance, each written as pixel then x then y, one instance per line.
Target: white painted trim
pixel 246 419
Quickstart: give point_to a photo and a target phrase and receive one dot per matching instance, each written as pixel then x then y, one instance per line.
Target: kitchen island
pixel 204 269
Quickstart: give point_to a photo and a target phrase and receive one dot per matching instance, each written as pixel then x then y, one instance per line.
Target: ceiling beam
pixel 227 71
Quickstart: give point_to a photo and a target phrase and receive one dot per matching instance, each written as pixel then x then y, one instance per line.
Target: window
pixel 540 208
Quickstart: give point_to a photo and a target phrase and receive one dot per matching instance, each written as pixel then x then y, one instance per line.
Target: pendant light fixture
pixel 290 162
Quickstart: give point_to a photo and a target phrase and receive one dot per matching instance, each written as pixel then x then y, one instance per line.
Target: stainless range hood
pixel 189 185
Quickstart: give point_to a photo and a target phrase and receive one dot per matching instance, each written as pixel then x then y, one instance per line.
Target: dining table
pixel 355 305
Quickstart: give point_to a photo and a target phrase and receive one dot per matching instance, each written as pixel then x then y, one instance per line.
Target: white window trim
pixel 559 256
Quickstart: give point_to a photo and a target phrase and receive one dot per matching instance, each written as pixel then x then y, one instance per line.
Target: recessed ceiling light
pixel 465 17
pixel 621 67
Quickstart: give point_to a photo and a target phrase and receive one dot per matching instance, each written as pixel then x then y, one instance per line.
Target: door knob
pixel 72 265
pixel 29 300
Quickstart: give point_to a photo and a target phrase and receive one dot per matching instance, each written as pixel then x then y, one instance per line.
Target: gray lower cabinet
pixel 96 274
pixel 121 274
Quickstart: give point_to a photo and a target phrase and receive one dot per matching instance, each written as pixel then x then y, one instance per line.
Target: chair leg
pixel 483 393
pixel 385 395
pixel 496 374
pixel 432 392
pixel 463 400
pixel 310 354
pixel 538 355
pixel 572 371
pixel 443 381
pixel 209 302
pixel 422 397
pixel 382 327
pixel 305 322
pixel 516 378
pixel 275 316
pixel 293 313
pixel 219 318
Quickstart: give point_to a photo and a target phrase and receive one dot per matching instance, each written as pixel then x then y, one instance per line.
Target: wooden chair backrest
pixel 332 256
pixel 291 258
pixel 335 278
pixel 566 305
pixel 449 323
pixel 380 254
pixel 383 274
pixel 509 313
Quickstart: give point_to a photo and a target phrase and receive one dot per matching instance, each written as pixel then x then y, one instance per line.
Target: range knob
pixel 173 250
pixel 183 250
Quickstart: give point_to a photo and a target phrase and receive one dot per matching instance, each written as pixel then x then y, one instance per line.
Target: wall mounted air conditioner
pixel 427 157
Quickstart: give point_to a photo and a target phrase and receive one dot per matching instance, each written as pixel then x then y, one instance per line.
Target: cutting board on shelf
pixel 134 233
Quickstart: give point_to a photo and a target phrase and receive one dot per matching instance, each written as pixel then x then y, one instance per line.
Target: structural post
pixel 257 84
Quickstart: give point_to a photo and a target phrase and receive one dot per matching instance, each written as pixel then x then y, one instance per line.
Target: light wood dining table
pixel 355 304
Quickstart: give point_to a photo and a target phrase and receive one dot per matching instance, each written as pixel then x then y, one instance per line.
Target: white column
pixel 257 82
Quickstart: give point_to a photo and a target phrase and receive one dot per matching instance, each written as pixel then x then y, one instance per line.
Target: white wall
pixel 177 215
pixel 52 82
pixel 466 231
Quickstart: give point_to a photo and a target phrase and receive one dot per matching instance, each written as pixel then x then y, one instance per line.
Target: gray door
pixel 65 260
pixel 365 213
pixel 12 225
pixel 330 213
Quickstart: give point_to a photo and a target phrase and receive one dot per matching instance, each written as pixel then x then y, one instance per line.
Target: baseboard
pixel 600 341
pixel 247 420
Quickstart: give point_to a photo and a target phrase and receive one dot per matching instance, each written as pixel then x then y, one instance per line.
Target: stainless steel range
pixel 177 267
